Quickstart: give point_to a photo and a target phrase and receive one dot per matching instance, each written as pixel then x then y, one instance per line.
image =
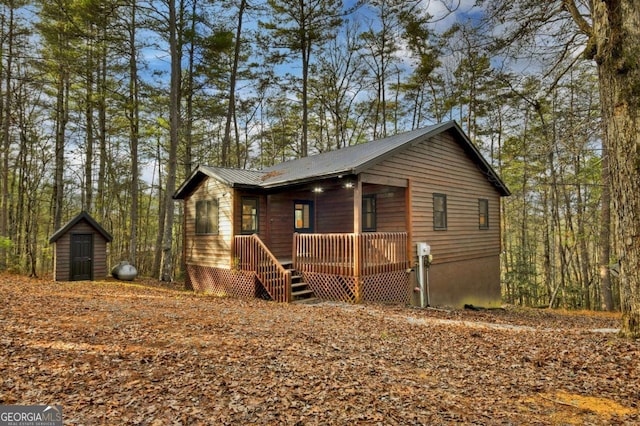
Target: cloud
pixel 447 12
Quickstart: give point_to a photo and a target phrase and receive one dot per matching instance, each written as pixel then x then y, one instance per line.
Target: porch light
pixel 348 185
pixel 317 189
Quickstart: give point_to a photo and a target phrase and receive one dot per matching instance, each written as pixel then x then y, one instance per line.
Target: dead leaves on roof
pixel 272 174
pixel 145 355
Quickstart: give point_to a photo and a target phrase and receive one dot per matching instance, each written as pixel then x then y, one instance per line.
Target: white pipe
pixel 421 280
pixel 428 295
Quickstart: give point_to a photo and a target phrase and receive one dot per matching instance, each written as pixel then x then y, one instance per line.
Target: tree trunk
pixel 605 234
pixel 87 203
pixel 5 116
pixel 157 258
pixel 226 140
pixel 584 250
pixel 61 123
pixel 101 204
pixel 616 30
pixel 133 137
pixel 187 125
pixel 305 44
pixel 174 123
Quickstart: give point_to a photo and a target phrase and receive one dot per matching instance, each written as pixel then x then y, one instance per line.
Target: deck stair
pixel 300 290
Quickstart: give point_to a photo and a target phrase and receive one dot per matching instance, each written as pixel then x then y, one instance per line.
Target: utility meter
pixel 423 249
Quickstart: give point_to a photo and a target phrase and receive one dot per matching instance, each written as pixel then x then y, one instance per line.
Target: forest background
pixel 107 105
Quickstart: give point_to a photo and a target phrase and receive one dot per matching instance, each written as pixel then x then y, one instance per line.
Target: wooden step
pixel 298 286
pixel 299 293
pixel 307 301
pixel 286 263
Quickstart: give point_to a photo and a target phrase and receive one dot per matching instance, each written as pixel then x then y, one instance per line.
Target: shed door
pixel 81 257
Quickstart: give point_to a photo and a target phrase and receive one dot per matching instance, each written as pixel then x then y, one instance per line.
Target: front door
pixel 81 257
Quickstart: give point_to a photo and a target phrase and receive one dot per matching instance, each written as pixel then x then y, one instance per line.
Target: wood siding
pixel 439 165
pixel 332 213
pixel 209 250
pixel 263 228
pixel 62 253
pixel 390 207
pixel 280 223
pixel 334 210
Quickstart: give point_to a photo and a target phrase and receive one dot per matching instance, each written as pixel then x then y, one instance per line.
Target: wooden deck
pixel 352 255
pixel 332 260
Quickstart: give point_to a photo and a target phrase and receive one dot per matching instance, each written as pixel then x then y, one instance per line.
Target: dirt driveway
pixel 115 354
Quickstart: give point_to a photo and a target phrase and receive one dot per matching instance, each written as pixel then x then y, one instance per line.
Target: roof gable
pixel 350 160
pixel 354 159
pixel 230 177
pixel 73 222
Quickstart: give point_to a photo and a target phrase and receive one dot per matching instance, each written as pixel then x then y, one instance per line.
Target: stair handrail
pixel 253 255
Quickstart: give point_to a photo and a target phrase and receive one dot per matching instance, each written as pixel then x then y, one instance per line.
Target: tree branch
pixel 582 23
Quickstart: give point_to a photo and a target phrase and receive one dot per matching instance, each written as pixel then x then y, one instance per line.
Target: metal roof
pixel 350 160
pixel 230 177
pixel 234 177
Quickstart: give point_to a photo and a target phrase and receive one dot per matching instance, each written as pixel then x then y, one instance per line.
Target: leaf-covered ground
pixel 115 353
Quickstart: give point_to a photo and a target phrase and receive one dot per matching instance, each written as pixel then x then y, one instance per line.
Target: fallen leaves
pixel 141 354
pixel 602 406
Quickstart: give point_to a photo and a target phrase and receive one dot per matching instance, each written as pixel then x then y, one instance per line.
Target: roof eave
pixel 198 175
pixel 71 223
pixel 308 179
pixel 236 185
pixel 492 176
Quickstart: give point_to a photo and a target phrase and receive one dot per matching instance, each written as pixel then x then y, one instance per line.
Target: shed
pixel 80 250
pixel 345 225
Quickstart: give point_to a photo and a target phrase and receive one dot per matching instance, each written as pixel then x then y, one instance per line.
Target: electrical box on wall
pixel 423 249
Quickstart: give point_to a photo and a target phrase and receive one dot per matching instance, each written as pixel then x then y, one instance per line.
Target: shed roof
pixel 70 224
pixel 350 160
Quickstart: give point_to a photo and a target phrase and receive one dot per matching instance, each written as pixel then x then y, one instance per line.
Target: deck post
pixel 287 284
pixel 294 250
pixel 357 267
pixel 357 233
pixel 357 207
pixel 408 206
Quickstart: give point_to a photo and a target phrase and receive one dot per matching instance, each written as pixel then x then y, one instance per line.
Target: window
pixel 369 213
pixel 439 211
pixel 303 216
pixel 206 217
pixel 483 213
pixel 250 216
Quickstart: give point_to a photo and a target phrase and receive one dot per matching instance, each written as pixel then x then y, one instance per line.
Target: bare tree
pixel 607 32
pixel 174 134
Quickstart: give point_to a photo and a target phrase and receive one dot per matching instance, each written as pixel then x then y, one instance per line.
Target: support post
pixel 357 232
pixel 357 267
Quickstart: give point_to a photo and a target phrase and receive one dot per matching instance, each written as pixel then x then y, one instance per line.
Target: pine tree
pixel 297 30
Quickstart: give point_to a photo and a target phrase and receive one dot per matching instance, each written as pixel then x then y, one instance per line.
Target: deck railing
pixel 352 255
pixel 250 254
